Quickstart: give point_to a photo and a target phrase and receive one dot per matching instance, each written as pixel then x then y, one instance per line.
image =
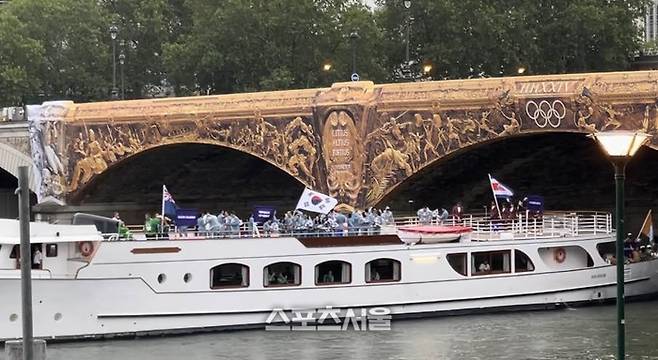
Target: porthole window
pixel 51 250
pixel 382 270
pixel 282 274
pixel 333 272
pixel 187 277
pixel 162 278
pixel 229 276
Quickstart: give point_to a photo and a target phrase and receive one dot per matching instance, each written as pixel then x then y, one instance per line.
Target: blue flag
pixel 169 207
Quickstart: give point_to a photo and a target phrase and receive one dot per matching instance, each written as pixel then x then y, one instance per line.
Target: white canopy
pixel 41 232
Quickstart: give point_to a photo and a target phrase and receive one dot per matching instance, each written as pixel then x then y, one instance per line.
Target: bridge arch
pixel 11 159
pixel 567 168
pixel 459 152
pixel 198 175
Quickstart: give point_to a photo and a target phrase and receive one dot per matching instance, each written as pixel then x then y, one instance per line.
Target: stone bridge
pixel 355 141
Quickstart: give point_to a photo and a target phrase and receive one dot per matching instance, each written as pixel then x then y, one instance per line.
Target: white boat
pixel 89 286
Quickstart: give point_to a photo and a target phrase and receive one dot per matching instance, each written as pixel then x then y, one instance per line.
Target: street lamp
pixel 411 207
pixel 407 5
pixel 327 65
pixel 620 145
pixel 353 37
pixel 427 68
pixel 113 34
pixel 122 61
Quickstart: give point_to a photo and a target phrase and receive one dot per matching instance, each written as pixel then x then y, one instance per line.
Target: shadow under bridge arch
pixel 202 176
pixel 567 168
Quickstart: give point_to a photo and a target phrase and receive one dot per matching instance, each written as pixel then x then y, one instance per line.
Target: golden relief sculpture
pixel 356 141
pixel 343 156
pixel 289 144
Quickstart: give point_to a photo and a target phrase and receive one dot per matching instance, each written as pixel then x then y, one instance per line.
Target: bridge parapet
pixel 356 141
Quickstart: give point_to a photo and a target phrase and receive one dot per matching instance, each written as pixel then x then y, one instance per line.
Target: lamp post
pixel 407 5
pixel 620 146
pixel 122 61
pixel 411 208
pixel 113 34
pixel 353 37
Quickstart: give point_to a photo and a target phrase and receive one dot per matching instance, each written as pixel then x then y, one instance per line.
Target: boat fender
pixel 559 255
pixel 86 248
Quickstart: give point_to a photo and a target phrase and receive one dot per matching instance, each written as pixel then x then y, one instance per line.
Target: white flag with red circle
pixel 316 202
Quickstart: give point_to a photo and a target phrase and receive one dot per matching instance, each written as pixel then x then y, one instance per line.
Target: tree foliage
pixel 61 49
pixel 69 38
pixel 472 38
pixel 239 45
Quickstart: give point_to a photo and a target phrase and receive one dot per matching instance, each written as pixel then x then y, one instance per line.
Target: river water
pixel 575 333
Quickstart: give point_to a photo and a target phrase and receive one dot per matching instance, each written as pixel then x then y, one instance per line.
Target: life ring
pixel 86 248
pixel 560 255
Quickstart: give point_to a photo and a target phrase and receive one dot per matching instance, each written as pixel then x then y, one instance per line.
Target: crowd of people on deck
pixel 638 249
pixel 295 222
pixel 229 224
pixel 509 209
pixel 226 223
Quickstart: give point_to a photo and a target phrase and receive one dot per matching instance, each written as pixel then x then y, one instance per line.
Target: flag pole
pixel 163 209
pixel 644 224
pixel 494 195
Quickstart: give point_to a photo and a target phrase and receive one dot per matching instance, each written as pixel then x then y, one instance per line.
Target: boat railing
pixel 244 231
pixel 484 228
pixel 549 225
pixel 525 225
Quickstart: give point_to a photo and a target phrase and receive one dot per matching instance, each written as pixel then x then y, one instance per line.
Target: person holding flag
pixel 645 237
pixel 169 210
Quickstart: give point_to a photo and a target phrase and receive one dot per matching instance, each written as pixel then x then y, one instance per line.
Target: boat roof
pixel 41 232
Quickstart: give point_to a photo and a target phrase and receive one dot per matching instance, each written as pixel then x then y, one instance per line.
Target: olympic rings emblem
pixel 546 112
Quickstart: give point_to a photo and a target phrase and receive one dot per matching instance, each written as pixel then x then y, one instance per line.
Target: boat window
pixel 566 257
pixel 229 276
pixel 333 272
pixel 491 262
pixel 383 270
pixel 522 262
pixel 607 250
pixel 282 274
pixel 458 262
pixel 15 252
pixel 51 250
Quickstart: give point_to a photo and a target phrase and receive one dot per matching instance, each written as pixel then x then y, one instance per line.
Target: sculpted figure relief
pixel 611 120
pixel 91 160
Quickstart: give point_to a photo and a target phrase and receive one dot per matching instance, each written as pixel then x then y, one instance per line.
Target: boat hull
pixel 84 308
